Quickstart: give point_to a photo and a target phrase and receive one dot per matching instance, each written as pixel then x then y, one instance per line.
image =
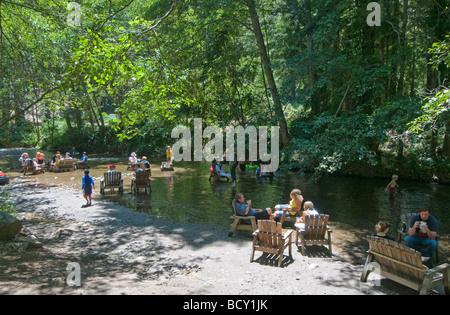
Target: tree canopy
pixel 118 75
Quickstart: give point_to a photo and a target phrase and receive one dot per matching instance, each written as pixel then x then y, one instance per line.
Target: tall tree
pixel 269 73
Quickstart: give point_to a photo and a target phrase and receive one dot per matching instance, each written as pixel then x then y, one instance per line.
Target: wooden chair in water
pixel 33 170
pixel 111 180
pixel 166 166
pixel 215 175
pixel 269 238
pixel 406 217
pixel 404 265
pixel 241 222
pixel 315 231
pixel 141 180
pixel 64 165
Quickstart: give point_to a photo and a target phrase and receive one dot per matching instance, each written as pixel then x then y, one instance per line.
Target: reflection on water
pixel 187 195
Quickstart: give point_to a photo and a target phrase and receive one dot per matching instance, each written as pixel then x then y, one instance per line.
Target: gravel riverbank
pixel 120 251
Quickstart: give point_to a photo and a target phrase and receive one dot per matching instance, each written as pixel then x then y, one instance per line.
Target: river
pixel 355 205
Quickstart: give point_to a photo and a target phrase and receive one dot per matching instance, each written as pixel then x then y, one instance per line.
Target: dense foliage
pixel 348 97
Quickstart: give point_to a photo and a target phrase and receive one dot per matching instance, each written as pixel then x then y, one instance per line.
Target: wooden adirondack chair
pixel 269 238
pixel 216 176
pixel 404 265
pixel 314 231
pixel 141 180
pixel 241 222
pixel 111 180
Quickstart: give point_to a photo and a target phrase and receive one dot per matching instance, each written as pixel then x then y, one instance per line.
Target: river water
pixel 355 205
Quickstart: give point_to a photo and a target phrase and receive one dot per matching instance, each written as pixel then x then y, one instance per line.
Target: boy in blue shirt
pixel 87 186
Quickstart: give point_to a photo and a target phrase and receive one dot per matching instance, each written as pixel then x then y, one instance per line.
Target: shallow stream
pixel 355 205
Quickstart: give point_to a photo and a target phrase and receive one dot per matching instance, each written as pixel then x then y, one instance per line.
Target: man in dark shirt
pixel 422 231
pixel 245 209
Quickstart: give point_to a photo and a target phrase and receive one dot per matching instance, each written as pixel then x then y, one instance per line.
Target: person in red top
pixel 3 178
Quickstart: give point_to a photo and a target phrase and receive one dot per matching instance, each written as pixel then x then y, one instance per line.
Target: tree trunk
pixel 269 74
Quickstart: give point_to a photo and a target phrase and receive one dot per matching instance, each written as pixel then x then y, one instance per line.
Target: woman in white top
pixel 132 159
pixel 308 207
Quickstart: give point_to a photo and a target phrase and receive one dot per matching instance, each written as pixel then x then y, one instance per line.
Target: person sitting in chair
pixel 3 178
pixel 219 170
pixel 137 169
pixel 245 209
pixel 112 168
pixel 83 160
pixel 145 163
pixel 422 231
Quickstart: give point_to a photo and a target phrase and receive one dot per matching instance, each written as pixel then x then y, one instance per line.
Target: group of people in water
pixel 38 162
pixel 217 169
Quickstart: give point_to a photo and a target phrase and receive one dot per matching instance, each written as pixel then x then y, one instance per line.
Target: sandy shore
pixel 119 251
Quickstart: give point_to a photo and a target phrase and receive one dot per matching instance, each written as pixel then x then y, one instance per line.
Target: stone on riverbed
pixel 10 226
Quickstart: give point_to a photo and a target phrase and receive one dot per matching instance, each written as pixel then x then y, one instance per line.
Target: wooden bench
pixel 82 165
pixel 404 265
pixel 166 166
pixel 64 165
pixel 111 180
pixel 33 170
pixel 141 180
pixel 241 222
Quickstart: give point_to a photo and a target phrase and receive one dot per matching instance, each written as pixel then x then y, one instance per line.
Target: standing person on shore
pixel 233 166
pixel 87 185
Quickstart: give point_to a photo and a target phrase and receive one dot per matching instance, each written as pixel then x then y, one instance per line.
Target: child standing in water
pixel 169 154
pixel 392 185
pixel 87 186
